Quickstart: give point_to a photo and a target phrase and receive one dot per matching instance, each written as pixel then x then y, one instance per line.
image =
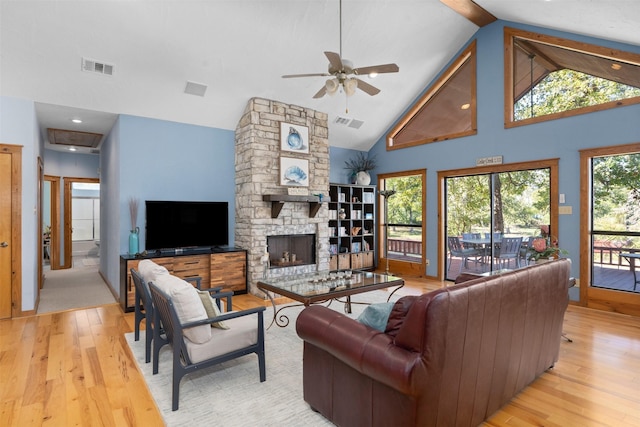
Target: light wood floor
pixel 74 368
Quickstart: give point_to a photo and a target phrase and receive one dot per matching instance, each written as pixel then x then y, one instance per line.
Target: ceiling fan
pixel 343 73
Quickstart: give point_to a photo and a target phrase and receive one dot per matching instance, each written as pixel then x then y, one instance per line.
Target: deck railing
pixel 607 255
pixel 405 247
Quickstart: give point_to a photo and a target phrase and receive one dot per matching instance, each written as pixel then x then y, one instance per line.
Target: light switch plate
pixel 565 210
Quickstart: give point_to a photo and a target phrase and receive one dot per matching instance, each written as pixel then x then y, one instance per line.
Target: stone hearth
pixel 257 164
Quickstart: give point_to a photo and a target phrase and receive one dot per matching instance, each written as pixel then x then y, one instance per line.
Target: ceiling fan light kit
pixel 340 71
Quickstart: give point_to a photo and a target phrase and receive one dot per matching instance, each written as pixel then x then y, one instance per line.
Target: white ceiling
pixel 241 48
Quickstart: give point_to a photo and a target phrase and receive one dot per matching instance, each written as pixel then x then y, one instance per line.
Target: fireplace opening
pixel 291 250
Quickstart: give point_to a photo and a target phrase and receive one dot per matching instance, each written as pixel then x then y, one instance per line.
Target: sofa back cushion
pixel 482 341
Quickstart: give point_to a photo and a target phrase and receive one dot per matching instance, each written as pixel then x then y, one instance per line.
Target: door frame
pixel 68 181
pixel 551 164
pixel 593 297
pixel 54 246
pixel 413 269
pixel 16 226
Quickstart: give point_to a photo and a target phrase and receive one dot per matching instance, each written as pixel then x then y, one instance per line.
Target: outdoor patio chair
pixel 241 334
pixel 457 250
pixel 470 236
pixel 525 250
pixel 509 249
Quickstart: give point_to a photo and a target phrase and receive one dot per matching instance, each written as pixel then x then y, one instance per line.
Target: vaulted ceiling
pixel 239 49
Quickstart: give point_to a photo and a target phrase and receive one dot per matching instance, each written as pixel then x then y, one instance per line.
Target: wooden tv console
pixel 225 267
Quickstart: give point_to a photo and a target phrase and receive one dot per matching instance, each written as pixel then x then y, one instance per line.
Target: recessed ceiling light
pixel 76 120
pixel 616 66
pixel 373 75
pixel 72 148
pixel 465 106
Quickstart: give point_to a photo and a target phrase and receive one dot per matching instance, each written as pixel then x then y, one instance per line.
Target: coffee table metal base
pixel 317 292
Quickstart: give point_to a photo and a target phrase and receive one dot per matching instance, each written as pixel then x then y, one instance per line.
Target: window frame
pixel 608 53
pixel 434 89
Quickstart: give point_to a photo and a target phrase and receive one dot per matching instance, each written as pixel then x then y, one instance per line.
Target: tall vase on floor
pixel 134 241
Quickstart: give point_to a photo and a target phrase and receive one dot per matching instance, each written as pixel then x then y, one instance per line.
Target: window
pixel 548 78
pixel 447 110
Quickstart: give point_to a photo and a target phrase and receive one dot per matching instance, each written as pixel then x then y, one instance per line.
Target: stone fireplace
pixel 257 167
pixel 291 250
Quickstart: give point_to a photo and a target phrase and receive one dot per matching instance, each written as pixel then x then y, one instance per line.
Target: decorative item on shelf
pixel 355 231
pixel 360 167
pixel 342 214
pixel 134 231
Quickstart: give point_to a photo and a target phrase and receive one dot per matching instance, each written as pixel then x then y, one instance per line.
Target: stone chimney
pixel 257 165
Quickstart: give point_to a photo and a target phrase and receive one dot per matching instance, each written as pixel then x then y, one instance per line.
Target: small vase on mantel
pixel 134 241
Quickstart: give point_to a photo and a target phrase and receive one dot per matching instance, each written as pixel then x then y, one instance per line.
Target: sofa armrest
pixel 364 349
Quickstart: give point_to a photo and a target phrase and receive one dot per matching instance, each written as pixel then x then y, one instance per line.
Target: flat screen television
pixel 178 224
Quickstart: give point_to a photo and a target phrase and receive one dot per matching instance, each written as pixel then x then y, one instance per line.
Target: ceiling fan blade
pixel 335 62
pixel 383 68
pixel 366 87
pixel 290 76
pixel 322 92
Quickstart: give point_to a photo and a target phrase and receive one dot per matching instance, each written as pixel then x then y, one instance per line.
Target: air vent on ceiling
pixel 351 123
pixel 197 89
pixel 99 67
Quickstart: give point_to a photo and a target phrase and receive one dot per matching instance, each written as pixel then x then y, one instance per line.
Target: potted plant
pixel 545 248
pixel 360 167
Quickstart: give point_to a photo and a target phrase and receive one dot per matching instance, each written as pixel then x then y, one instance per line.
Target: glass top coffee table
pixel 324 286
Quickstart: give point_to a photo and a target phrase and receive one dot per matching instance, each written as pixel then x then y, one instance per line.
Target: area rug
pixel 231 394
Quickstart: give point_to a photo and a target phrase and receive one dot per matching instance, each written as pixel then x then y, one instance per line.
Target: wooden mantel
pixel 278 201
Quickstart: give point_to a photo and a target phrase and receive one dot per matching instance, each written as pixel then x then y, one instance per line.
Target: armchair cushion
pixel 242 332
pixel 149 270
pixel 188 306
pixel 376 315
pixel 211 308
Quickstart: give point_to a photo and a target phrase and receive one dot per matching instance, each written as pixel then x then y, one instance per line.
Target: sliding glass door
pixel 615 215
pixel 490 218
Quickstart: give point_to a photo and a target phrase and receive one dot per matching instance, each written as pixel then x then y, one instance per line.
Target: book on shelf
pixel 368 197
pixel 355 247
pixel 333 249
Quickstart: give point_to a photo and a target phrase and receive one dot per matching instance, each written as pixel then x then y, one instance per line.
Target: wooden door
pixel 5 236
pixel 10 231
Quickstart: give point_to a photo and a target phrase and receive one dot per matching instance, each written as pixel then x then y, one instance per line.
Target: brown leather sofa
pixel 450 357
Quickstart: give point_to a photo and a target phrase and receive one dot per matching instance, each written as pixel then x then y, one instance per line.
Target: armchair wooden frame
pixel 165 314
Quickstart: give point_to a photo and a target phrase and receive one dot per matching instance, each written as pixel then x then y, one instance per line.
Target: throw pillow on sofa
pixel 188 306
pixel 376 315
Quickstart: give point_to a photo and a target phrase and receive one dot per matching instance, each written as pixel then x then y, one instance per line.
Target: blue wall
pixel 150 159
pixel 18 126
pixel 562 138
pixel 337 172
